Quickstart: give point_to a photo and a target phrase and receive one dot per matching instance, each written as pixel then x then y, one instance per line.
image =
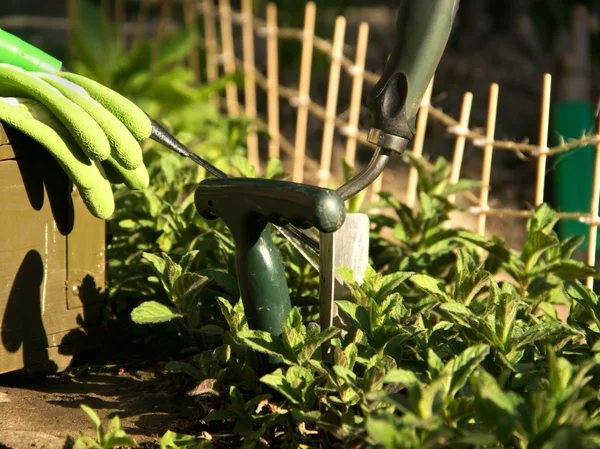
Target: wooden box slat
pixel 51 262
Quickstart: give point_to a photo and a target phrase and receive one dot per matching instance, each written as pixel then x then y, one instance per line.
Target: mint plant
pixel 436 351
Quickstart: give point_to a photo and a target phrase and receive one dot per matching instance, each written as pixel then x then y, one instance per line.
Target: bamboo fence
pixel 221 23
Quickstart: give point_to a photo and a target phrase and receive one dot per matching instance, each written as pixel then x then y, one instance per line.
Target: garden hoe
pixel 248 206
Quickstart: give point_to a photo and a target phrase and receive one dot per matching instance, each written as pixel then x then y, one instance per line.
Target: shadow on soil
pixel 147 401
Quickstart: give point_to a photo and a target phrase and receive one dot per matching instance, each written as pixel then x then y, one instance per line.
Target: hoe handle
pixel 248 207
pixel 422 31
pixel 19 53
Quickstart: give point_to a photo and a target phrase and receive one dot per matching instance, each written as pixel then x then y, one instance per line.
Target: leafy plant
pixel 191 296
pixel 115 437
pixel 436 351
pixel 112 437
pixel 452 340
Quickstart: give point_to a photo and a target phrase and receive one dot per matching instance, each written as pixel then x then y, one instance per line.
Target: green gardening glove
pixel 92 131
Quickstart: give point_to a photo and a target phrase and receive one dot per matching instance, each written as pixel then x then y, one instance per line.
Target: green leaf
pixel 84 442
pixel 279 382
pixel 94 41
pixel 220 415
pixel 506 314
pixel 434 364
pixel 388 433
pixel 464 365
pixel 571 269
pixel 266 343
pixel 313 342
pixel 389 283
pixel 152 312
pixel 536 244
pixel 173 440
pixel 167 270
pixel 243 166
pixel 493 402
pixel 359 315
pixel 120 441
pixel 430 285
pixel 274 169
pixel 543 219
pixel 158 263
pixel 222 283
pixel 401 376
pixel 497 248
pixel 95 419
pixel 460 312
pixel 550 331
pixel 460 186
pixel 184 367
pixel 187 287
pixel 570 244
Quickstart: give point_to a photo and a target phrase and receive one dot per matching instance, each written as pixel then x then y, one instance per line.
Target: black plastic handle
pixel 422 31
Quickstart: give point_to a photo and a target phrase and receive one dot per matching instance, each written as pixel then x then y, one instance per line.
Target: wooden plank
pixel 32 257
pixel 6 153
pixel 349 248
pixel 3 137
pixel 85 257
pixel 54 352
pixel 38 225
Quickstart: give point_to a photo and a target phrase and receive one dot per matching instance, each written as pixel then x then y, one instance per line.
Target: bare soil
pixel 43 412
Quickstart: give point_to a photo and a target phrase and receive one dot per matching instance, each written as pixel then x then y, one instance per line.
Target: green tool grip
pixel 422 31
pixel 248 206
pixel 278 202
pixel 19 53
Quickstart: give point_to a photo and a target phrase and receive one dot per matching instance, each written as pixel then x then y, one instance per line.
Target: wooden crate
pixel 51 262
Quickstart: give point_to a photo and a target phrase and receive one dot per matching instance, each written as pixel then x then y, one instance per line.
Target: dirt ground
pixel 44 412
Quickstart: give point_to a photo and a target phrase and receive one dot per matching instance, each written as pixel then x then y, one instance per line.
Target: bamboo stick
pixel 332 100
pixel 106 38
pixel 73 12
pixel 459 147
pixel 544 127
pixel 358 70
pixel 210 41
pixel 228 54
pixel 304 92
pixel 120 24
pixel 190 12
pixel 164 17
pixel 250 81
pixel 488 151
pixel 419 142
pixel 376 187
pixel 593 237
pixel 140 23
pixel 273 81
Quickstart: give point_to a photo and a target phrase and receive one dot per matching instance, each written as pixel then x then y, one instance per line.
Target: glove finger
pixel 15 82
pixel 127 112
pixel 35 121
pixel 136 179
pixel 125 148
